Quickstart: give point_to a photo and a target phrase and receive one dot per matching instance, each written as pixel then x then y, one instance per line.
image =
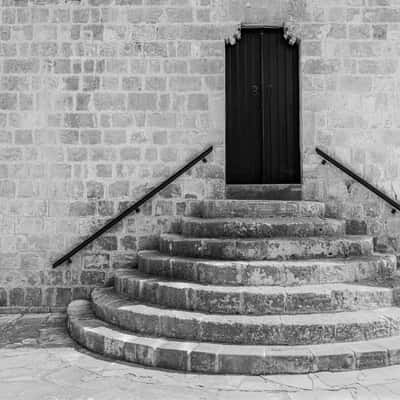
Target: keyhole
pixel 254 90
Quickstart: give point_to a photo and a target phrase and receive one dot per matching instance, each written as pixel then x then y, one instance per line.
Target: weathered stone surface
pixel 112 90
pixel 244 329
pixel 260 273
pixel 254 209
pixel 258 228
pixel 217 358
pixel 251 300
pixel 266 249
pixel 32 329
pixel 336 357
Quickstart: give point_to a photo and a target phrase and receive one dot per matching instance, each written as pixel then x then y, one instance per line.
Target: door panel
pixel 244 104
pixel 262 89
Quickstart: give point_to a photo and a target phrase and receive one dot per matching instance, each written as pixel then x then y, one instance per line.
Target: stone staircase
pixel 249 287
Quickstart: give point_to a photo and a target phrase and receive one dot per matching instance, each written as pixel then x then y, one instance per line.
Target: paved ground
pixel 52 367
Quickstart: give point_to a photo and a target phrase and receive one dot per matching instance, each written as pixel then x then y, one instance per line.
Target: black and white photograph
pixel 199 199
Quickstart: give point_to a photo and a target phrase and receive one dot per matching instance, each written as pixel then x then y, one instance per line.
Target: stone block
pixel 14 83
pixel 8 101
pixel 367 355
pixel 298 360
pixel 81 120
pixel 16 297
pixel 356 84
pixel 379 32
pixel 155 49
pixel 90 83
pixel 142 101
pixel 359 31
pixel 184 83
pixel 3 297
pixel 80 209
pixel 333 358
pixel 82 102
pixel 15 66
pixel 242 361
pixel 89 136
pixel 132 83
pixel 321 66
pixel 118 189
pixel 94 190
pixel 80 16
pixel 203 358
pixel 92 278
pixel 197 102
pixel 109 101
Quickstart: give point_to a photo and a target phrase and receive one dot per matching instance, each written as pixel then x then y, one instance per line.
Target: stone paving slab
pixel 46 369
pixel 32 329
pixel 70 373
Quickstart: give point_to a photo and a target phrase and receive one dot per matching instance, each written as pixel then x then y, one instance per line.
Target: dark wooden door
pixel 262 109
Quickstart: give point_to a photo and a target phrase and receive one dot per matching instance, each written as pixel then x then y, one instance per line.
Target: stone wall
pixel 102 99
pixel 350 70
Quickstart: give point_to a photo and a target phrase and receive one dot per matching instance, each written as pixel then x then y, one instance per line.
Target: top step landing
pixel 254 208
pixel 264 192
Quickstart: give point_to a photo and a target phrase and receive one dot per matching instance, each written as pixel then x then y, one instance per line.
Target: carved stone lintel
pixel 235 37
pixel 289 31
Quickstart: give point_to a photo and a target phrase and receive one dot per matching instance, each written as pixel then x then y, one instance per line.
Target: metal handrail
pixel 132 208
pixel 379 193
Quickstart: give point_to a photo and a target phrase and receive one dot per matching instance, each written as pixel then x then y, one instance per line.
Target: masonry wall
pixel 102 99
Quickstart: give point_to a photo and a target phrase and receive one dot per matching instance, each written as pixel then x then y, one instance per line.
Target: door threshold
pixel 264 192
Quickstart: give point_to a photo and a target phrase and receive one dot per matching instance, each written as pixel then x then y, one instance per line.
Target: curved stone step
pixel 257 300
pixel 244 329
pixel 254 208
pixel 108 340
pixel 261 227
pixel 259 273
pixel 266 249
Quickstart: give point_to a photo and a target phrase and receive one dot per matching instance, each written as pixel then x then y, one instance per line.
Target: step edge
pixel 344 316
pixel 375 256
pixel 324 287
pixel 317 354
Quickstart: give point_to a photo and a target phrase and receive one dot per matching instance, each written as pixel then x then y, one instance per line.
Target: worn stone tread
pixel 282 248
pixel 245 329
pixel 257 300
pixel 104 338
pixel 254 208
pixel 261 227
pixel 260 273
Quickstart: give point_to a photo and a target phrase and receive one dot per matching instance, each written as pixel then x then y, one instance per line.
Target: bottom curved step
pixel 214 358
